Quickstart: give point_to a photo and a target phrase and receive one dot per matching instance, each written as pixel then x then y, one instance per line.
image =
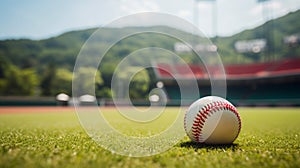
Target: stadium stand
pixel 257 70
pixel 271 83
pixel 291 66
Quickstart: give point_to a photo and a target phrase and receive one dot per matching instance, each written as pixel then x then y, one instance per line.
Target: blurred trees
pixel 47 79
pixel 138 80
pixel 18 82
pixel 86 80
pixel 63 82
pixel 44 67
pixel 139 85
pixel 55 81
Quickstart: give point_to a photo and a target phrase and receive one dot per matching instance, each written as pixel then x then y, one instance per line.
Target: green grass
pixel 269 138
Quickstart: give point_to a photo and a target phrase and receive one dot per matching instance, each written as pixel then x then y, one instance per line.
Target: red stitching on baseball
pixel 207 111
pixel 185 121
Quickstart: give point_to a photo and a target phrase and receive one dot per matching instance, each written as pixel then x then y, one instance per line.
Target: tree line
pixel 45 67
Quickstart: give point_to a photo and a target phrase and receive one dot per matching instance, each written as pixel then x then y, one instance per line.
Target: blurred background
pixel 257 40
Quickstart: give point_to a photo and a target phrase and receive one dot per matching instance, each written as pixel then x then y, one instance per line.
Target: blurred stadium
pixel 262 66
pixel 260 84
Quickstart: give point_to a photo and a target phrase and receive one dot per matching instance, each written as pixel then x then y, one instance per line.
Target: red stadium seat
pixel 236 71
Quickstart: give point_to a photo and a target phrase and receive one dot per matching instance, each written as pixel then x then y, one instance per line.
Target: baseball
pixel 212 120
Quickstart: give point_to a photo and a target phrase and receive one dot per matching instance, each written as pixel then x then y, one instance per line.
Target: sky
pixel 39 19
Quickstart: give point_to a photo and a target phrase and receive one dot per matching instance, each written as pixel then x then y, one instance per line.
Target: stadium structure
pixel 257 84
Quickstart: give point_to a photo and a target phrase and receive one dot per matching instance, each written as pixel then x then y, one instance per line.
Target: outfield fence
pixel 51 101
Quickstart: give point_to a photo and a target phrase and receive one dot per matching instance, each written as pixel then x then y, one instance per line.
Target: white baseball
pixel 212 120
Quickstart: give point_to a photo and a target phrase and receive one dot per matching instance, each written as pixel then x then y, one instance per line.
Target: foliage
pixel 138 80
pixel 18 82
pixel 131 81
pixel 104 92
pixel 62 82
pixel 273 31
pixel 44 57
pixel 86 80
pixel 47 79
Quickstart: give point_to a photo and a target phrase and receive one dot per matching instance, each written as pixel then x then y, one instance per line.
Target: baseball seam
pixel 185 121
pixel 207 111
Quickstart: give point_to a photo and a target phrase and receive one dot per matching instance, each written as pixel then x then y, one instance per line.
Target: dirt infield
pixel 35 109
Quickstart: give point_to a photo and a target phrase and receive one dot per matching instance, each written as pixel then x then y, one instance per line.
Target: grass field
pixel 269 138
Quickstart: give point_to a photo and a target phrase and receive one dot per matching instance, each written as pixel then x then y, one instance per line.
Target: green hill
pixel 64 48
pixel 47 62
pixel 273 31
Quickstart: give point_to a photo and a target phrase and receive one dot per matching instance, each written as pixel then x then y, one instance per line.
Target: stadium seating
pixel 242 85
pixel 256 70
pixel 290 66
pixel 165 70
